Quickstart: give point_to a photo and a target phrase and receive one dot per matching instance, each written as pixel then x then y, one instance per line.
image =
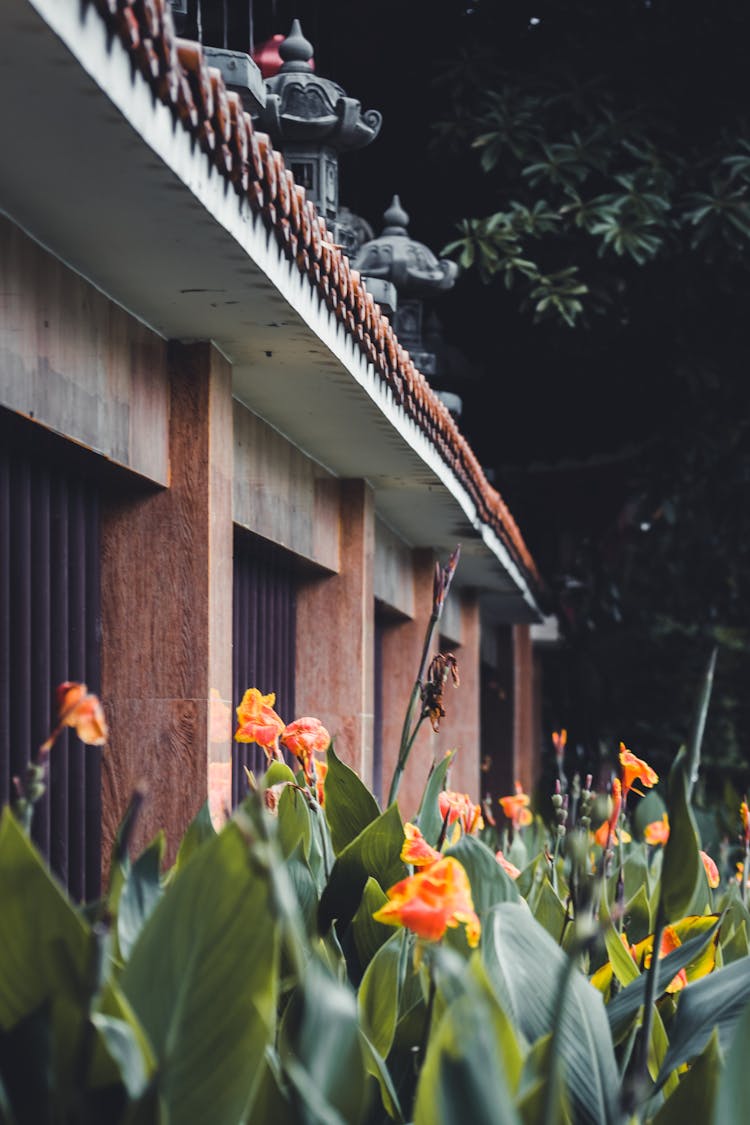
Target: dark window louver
pixel 264 629
pixel 50 626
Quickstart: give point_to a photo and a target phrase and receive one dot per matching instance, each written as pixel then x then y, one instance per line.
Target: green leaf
pixel 698 726
pixel 369 935
pixel 293 824
pixel 626 1003
pixel 277 774
pixel 350 806
pixel 694 1097
pixel 199 831
pixel 547 909
pixel 682 868
pixel 376 1066
pixel 489 883
pixel 320 1048
pixel 716 1001
pixel 377 998
pixel 525 967
pixel 202 979
pixel 124 1049
pixel 734 1087
pixel 463 1077
pixel 140 894
pixel 376 851
pixel 623 965
pixel 428 818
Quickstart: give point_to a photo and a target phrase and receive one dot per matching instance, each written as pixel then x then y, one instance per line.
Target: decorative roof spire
pixel 296 51
pixel 396 219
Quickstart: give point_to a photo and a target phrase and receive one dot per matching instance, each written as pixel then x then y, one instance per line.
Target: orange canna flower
pixel 559 741
pixel 634 769
pixel 460 807
pixel 431 901
pixel 321 769
pixel 508 867
pixel 657 832
pixel 669 942
pixel 258 722
pixel 303 737
pixel 712 871
pixel 516 808
pixel 78 708
pixel 745 814
pixel 416 850
pixel 606 834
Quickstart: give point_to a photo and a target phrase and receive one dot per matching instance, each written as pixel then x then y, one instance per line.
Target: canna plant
pixel 318 960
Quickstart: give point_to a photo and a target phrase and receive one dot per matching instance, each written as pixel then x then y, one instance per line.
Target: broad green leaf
pixel 531 874
pixel 278 773
pixel 270 1101
pixel 376 851
pixel 305 888
pixel 682 867
pixel 140 893
pixel 637 920
pixel 736 945
pixel 122 1045
pixel 651 807
pixel 463 1077
pixel 533 1095
pixel 369 935
pixel 202 979
pixel 624 1006
pixel 548 910
pixel 199 831
pixel 376 1066
pixel 293 823
pixel 489 883
pixel 350 806
pixel 733 1100
pixel 377 998
pixel 716 1001
pixel 428 818
pixel 525 966
pixel 623 965
pixel 694 1095
pixel 698 725
pixel 320 1047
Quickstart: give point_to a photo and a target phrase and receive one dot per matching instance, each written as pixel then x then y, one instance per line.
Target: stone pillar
pixel 334 670
pixel 402 649
pixel 460 729
pixel 167 615
pixel 525 749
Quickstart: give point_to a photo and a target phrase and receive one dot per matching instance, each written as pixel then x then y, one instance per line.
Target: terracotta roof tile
pixel 177 71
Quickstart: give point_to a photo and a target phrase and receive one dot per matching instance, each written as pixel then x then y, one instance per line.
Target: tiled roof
pixel 181 79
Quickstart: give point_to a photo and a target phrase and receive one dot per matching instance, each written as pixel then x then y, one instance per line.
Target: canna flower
pixel 416 850
pixel 258 722
pixel 442 581
pixel 303 737
pixel 516 808
pixel 634 769
pixel 606 835
pixel 321 769
pixel 508 867
pixel 559 742
pixel 657 832
pixel 669 942
pixel 431 901
pixel 745 814
pixel 460 807
pixel 442 666
pixel 80 709
pixel 712 871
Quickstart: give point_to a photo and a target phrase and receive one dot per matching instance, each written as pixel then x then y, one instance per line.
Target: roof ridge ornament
pixel 296 51
pixel 396 219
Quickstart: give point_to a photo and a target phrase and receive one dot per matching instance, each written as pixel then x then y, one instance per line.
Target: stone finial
pixel 396 219
pixel 409 265
pixel 296 51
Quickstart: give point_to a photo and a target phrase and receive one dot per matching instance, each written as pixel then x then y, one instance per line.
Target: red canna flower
pixel 416 850
pixel 258 722
pixel 460 807
pixel 431 901
pixel 303 737
pixel 657 832
pixel 712 871
pixel 516 808
pixel 508 867
pixel 634 769
pixel 80 709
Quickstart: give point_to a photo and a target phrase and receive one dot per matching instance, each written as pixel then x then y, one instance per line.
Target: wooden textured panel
pixel 76 362
pixel 166 594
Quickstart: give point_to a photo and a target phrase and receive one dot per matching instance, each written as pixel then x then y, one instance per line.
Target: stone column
pixel 402 649
pixel 167 566
pixel 334 671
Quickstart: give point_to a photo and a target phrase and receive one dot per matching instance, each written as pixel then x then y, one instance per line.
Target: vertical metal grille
pixel 49 632
pixel 264 628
